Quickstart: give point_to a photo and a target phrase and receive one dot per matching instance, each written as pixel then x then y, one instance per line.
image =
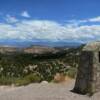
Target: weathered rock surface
pixel 88 77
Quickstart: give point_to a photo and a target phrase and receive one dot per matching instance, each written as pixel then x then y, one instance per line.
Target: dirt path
pixel 44 91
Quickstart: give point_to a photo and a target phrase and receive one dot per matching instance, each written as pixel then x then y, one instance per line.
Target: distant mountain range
pixel 23 43
pixel 37 50
pixel 31 50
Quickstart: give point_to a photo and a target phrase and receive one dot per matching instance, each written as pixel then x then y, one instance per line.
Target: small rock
pixel 44 82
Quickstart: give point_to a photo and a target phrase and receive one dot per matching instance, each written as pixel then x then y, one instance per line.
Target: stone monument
pixel 88 76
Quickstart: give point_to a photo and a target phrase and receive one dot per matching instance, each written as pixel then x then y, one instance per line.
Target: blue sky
pixel 50 20
pixel 59 10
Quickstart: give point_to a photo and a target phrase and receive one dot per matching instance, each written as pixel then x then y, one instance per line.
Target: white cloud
pixel 25 14
pixel 96 19
pixel 77 21
pixel 49 30
pixel 11 19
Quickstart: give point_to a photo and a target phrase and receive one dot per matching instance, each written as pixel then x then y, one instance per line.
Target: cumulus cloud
pixel 11 19
pixel 49 30
pixel 96 19
pixel 25 14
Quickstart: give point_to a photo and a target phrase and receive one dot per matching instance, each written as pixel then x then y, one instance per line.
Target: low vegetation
pixel 25 68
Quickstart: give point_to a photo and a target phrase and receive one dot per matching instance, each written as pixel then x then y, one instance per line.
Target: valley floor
pixel 44 91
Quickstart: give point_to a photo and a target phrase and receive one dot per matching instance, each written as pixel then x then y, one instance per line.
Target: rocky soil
pixel 44 91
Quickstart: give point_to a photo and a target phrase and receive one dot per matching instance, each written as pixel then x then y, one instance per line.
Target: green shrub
pixel 6 80
pixel 20 81
pixel 31 78
pixel 15 68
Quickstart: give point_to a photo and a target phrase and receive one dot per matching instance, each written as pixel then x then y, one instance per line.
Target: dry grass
pixel 59 78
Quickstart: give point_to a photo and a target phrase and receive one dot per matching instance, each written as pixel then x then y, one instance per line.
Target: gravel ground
pixel 44 91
